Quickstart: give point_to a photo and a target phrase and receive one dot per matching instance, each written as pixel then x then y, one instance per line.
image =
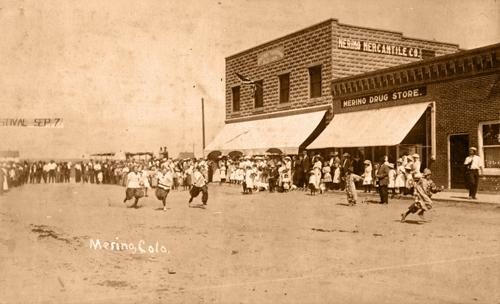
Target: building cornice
pixel 454 66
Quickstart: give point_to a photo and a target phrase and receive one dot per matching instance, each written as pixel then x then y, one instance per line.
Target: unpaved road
pixel 260 248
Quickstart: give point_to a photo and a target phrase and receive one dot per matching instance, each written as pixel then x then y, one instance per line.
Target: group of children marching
pixel 403 179
pixel 138 183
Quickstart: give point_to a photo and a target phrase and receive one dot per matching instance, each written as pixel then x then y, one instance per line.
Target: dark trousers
pixel 272 184
pixel 384 194
pixel 472 176
pixel 196 190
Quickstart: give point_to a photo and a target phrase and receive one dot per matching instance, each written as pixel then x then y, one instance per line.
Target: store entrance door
pixel 459 146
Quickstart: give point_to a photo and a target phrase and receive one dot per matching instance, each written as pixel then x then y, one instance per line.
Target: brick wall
pixel 350 62
pixel 460 106
pixel 314 45
pixel 301 51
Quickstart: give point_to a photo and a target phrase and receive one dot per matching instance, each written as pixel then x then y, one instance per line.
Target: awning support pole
pixel 433 130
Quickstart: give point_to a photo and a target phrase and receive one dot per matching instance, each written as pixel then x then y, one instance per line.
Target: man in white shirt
pixel 474 166
pixel 199 185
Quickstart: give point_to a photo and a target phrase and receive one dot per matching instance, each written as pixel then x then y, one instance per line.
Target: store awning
pixel 378 127
pixel 286 133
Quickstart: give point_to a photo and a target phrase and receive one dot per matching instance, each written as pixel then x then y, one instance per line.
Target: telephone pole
pixel 203 124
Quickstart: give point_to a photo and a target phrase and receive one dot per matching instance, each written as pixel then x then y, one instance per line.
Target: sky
pixel 130 75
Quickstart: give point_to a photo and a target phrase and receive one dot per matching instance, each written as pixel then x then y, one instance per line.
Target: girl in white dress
pixel 336 176
pixel 222 166
pixel 367 176
pixel 400 183
pixel 392 180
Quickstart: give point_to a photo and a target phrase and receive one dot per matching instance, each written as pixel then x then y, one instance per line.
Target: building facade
pixel 368 92
pixel 437 108
pixel 294 72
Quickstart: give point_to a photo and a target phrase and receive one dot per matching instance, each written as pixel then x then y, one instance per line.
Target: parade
pixel 272 173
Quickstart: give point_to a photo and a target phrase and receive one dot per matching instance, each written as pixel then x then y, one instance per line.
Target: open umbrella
pixel 214 155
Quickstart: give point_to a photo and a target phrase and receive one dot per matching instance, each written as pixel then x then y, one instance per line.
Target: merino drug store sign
pixel 385 97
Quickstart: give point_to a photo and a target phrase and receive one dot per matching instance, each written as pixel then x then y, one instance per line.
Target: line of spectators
pixel 279 173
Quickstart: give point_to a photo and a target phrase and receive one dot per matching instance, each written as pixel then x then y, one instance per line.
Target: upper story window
pixel 284 88
pixel 259 93
pixel 236 99
pixel 315 81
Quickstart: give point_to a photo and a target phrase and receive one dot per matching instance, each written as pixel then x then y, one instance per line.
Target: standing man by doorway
pixel 383 180
pixel 474 167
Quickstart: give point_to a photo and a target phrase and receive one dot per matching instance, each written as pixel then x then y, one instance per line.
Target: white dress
pixel 249 178
pixel 216 177
pixel 367 176
pixel 392 178
pixel 400 177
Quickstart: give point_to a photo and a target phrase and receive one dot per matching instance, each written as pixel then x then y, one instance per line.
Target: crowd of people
pixel 316 174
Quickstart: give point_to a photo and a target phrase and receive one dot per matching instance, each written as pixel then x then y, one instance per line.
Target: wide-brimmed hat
pixel 400 160
pixel 390 165
pixel 416 155
pixel 473 149
pixel 427 172
pixel 367 162
pixel 346 154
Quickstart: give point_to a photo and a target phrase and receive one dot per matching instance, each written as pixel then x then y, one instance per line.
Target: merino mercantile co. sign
pixel 32 122
pixel 383 48
pixel 384 97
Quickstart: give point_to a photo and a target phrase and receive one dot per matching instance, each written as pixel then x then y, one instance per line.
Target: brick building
pixel 275 84
pixel 437 108
pixel 283 94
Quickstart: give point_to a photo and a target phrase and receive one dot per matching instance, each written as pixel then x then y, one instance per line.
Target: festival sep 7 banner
pixel 32 122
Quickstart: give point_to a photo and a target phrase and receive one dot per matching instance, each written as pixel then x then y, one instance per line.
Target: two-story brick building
pixel 278 93
pixel 285 93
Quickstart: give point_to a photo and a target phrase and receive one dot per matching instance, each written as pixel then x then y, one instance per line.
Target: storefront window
pixel 489 135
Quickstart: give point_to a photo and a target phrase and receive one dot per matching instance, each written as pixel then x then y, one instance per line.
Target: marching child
pixel 165 182
pixel 199 185
pixel 134 187
pixel 350 186
pixel 424 187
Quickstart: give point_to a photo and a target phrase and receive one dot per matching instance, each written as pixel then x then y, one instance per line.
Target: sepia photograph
pixel 249 151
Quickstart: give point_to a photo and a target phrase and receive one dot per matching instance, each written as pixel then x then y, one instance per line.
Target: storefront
pixel 437 108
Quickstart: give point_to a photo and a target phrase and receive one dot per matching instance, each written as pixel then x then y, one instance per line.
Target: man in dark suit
pixel 306 167
pixel 383 181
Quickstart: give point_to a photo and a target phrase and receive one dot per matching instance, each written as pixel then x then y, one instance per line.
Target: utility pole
pixel 203 124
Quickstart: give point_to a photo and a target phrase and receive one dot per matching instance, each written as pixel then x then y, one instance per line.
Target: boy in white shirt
pixel 165 182
pixel 199 185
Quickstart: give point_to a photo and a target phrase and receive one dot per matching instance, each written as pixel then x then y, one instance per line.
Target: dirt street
pixel 67 243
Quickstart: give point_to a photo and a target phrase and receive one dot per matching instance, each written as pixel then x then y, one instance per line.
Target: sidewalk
pixel 462 196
